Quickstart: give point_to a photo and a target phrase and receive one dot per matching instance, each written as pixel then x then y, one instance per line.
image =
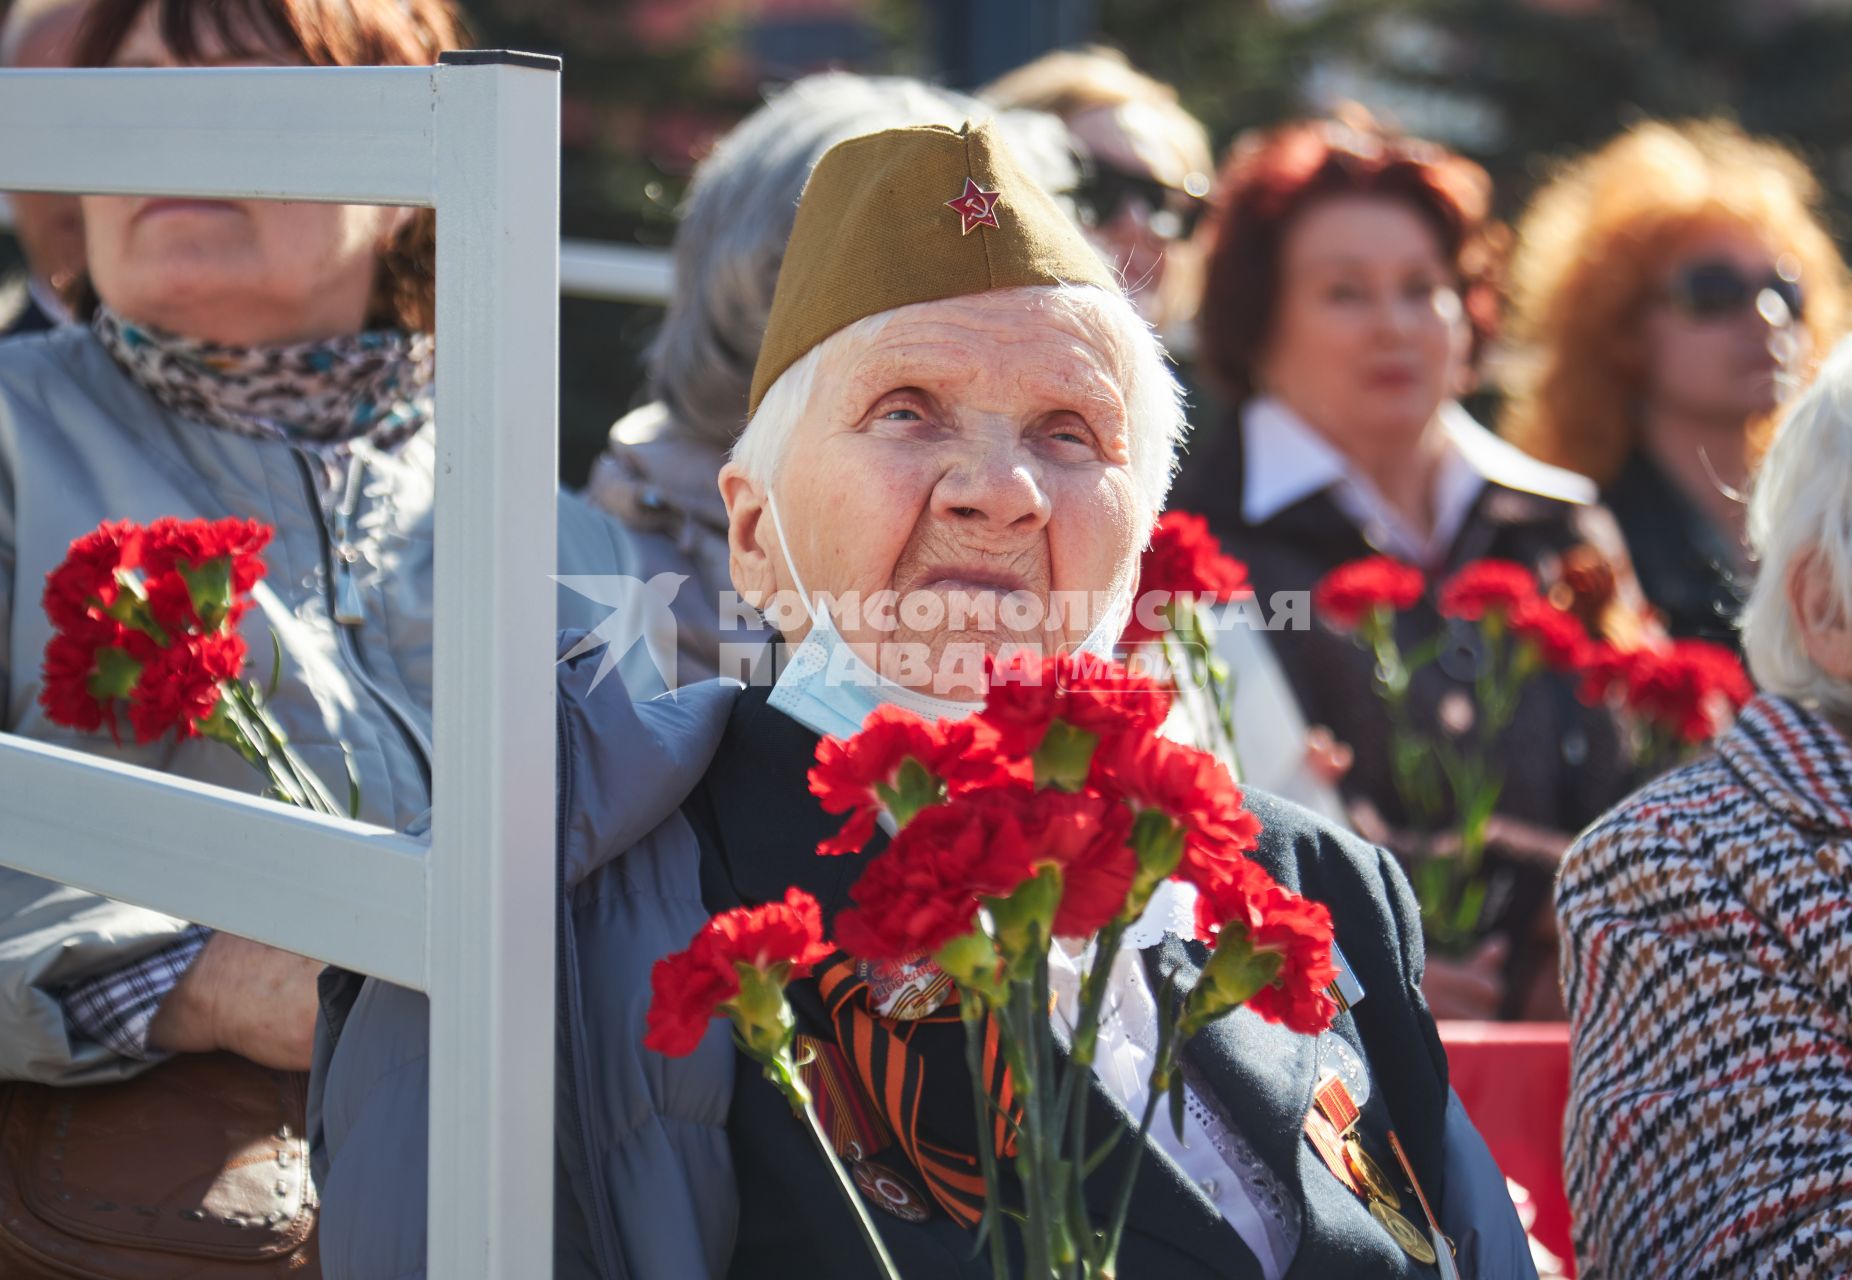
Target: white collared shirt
pixel 1287 460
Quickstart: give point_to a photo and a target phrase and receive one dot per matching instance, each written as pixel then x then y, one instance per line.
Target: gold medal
pixel 1404 1233
pixel 1370 1174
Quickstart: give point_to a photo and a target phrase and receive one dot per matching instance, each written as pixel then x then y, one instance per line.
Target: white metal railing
pixel 468 919
pixel 587 269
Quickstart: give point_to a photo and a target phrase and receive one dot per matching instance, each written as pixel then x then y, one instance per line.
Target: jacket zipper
pixel 345 605
pixel 606 1250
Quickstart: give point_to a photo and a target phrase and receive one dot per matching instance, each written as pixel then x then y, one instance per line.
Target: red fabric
pixel 1513 1078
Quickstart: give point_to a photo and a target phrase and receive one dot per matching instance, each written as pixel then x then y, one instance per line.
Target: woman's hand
pixel 1472 987
pixel 245 998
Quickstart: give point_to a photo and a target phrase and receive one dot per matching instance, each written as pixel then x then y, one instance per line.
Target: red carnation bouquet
pixel 1183 574
pixel 1675 696
pixel 145 626
pixel 1050 818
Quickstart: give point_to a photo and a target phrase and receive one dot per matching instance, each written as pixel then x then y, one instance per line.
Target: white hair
pixel 1155 423
pixel 1801 514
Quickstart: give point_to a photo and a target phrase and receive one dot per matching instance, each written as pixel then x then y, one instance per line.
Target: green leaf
pixel 1176 1110
pixel 114 675
pixel 1065 756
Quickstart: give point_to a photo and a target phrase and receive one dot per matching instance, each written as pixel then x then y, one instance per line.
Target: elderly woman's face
pixel 952 476
pixel 234 271
pixel 1366 325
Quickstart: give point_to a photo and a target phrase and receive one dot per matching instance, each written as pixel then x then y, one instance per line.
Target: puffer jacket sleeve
pixel 52 936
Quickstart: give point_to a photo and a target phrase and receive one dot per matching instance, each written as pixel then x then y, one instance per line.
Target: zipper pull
pixel 349 607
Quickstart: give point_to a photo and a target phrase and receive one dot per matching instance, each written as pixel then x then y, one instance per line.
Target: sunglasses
pixel 1105 191
pixel 1714 290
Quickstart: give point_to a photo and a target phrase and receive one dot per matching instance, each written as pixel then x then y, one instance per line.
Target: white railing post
pixel 492 883
pixel 470 920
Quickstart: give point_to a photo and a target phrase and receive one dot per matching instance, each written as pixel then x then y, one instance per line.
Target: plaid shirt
pixel 114 1009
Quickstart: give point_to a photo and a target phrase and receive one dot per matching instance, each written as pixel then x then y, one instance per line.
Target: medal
pixel 1404 1233
pixel 890 1191
pixel 1369 1174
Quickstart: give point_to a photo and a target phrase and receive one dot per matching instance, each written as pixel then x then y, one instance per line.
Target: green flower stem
pixel 971 1010
pixel 871 1236
pixel 1161 1082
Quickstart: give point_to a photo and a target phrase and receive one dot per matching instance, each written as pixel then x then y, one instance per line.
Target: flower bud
pixel 1234 974
pixel 761 1016
pixel 1024 922
pixel 972 962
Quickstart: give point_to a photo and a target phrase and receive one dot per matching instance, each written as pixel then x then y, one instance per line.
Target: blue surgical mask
pixel 826 686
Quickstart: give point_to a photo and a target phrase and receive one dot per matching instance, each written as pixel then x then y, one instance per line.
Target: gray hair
pixel 1801 512
pixel 1155 422
pixel 741 206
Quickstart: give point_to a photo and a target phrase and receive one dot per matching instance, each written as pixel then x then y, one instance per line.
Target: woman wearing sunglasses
pixel 1672 289
pixel 1145 170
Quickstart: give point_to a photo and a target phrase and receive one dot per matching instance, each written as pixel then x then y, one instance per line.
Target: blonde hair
pixel 1068 82
pixel 1800 517
pixel 1590 248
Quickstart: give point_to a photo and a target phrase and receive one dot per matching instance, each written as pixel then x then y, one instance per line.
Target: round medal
pixel 1404 1233
pixel 1370 1174
pixel 889 1191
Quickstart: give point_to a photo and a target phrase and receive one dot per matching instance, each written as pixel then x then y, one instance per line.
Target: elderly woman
pixel 262 360
pixel 1345 293
pixel 1706 928
pixel 657 475
pixel 1672 289
pixel 952 398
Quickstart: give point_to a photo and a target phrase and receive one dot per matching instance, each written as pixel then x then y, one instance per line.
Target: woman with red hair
pixel 1348 288
pixel 1670 291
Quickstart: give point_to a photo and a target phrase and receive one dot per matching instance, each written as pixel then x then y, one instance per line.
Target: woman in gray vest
pixel 272 361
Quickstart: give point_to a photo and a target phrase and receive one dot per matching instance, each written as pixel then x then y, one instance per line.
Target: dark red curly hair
pixel 1272 177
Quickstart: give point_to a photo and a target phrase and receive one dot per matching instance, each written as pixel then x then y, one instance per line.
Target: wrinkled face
pixel 1367 324
pixel 957 480
pixel 236 271
pixel 1720 344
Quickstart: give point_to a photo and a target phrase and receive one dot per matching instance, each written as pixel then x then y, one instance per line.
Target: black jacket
pixel 758 827
pixel 1687 567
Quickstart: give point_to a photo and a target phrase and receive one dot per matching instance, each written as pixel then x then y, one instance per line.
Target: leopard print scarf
pixel 377 386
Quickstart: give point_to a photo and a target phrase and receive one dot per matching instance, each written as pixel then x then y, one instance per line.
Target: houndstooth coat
pixel 1707 964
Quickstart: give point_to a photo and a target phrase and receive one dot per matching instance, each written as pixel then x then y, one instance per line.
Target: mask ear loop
pixel 784 546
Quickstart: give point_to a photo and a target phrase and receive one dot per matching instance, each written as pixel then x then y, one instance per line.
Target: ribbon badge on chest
pixel 1332 1128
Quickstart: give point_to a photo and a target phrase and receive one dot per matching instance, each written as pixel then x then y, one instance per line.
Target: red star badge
pixel 976 207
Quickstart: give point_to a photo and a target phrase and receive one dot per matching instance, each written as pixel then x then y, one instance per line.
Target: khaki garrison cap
pixel 913 215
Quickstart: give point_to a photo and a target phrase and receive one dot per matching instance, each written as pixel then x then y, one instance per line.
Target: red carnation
pixel 1298 931
pixel 692 987
pixel 1185 560
pixel 923 890
pixel 1487 586
pixel 179 688
pixel 1088 837
pixel 1352 592
pixel 64 686
pixel 1562 642
pixel 862 775
pixel 1195 790
pixel 1602 671
pixel 171 543
pixel 1092 694
pixel 85 582
pixel 1690 689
